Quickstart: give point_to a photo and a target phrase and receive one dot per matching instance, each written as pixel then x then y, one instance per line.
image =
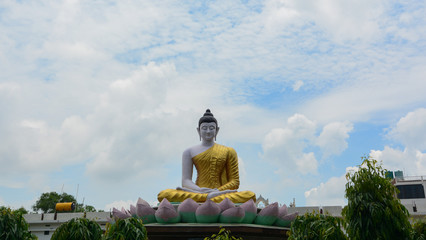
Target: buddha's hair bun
pixel 207 117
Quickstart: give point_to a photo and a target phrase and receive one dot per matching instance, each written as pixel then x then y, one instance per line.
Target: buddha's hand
pixel 218 193
pixel 208 190
pixel 200 190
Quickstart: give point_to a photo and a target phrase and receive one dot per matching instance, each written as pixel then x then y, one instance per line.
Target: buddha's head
pixel 207 126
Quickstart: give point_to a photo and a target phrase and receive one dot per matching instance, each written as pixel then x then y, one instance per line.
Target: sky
pixel 99 99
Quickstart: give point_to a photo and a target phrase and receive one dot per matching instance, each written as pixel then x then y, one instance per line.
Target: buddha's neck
pixel 207 143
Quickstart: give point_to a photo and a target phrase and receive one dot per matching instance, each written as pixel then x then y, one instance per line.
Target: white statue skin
pixel 207 132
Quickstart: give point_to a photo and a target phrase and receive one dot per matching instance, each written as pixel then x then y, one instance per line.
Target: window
pixel 411 191
pixel 46 232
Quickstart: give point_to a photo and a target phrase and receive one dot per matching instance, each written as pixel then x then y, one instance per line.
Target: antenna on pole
pixel 76 197
pixel 82 205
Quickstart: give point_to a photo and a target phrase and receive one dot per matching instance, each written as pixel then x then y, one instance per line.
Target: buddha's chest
pixel 211 164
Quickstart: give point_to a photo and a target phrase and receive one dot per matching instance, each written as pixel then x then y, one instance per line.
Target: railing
pixel 410 178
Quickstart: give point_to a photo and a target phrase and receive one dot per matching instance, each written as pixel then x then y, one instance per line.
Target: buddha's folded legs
pixel 174 195
pixel 236 197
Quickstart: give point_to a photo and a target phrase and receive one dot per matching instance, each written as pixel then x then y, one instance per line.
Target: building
pixel 43 225
pixel 411 192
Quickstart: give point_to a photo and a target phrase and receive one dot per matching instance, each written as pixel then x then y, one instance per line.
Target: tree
pixel 223 234
pixel 47 201
pixel 89 208
pixel 312 226
pixel 13 225
pixel 84 208
pixel 129 228
pixel 78 229
pixel 419 230
pixel 21 211
pixel 373 211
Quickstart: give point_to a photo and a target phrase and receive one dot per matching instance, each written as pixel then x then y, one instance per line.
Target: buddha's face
pixel 208 131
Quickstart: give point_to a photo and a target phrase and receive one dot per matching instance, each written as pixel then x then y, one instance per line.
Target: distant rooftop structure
pixel 411 191
pixel 261 202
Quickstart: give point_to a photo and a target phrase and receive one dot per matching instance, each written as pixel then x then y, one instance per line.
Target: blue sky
pixel 106 95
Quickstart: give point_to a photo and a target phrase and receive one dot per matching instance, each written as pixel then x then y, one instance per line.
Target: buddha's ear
pixel 199 134
pixel 217 130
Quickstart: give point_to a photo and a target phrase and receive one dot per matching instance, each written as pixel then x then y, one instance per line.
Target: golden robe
pixel 217 167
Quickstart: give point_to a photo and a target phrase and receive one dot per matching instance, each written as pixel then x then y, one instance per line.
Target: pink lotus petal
pixel 119 214
pixel 225 204
pixel 282 211
pixel 141 201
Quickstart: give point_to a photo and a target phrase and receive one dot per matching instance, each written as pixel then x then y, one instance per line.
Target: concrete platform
pixel 197 231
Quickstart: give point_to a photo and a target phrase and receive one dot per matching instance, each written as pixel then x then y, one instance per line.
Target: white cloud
pixel 330 193
pixel 409 131
pixel 297 85
pixel 351 20
pixel 286 147
pixel 307 163
pixel 112 134
pixel 301 126
pixel 379 97
pixel 8 87
pixel 412 162
pixel 119 204
pixel 332 139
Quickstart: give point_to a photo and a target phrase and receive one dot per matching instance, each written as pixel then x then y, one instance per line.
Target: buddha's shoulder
pixel 189 151
pixel 193 151
pixel 197 149
pixel 226 148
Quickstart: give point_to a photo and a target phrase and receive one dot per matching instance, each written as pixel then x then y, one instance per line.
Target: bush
pixel 78 228
pixel 373 211
pixel 316 226
pixel 122 229
pixel 419 230
pixel 13 226
pixel 222 235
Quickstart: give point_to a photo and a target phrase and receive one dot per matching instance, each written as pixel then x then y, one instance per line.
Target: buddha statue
pixel 217 169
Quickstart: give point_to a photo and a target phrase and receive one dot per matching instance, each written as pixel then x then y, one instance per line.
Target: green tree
pixel 13 226
pixel 78 229
pixel 419 230
pixel 47 201
pixel 85 208
pixel 373 211
pixel 223 235
pixel 89 208
pixel 129 228
pixel 21 210
pixel 314 226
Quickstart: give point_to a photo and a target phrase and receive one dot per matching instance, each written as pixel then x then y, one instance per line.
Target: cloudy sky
pixel 104 96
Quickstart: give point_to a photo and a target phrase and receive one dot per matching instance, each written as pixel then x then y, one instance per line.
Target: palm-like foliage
pixel 312 226
pixel 222 235
pixel 13 226
pixel 78 228
pixel 122 229
pixel 373 211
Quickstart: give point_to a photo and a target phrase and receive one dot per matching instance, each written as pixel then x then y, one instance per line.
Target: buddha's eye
pixel 212 127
